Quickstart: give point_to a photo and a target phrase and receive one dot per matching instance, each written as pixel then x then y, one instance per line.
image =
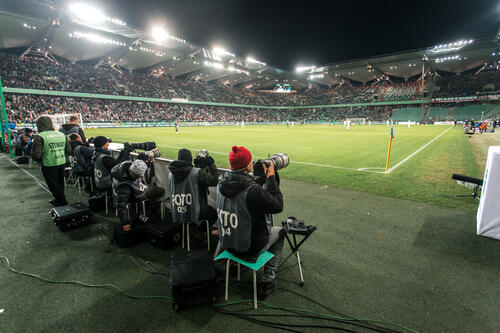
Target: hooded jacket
pixel 86 154
pixel 260 201
pixel 181 169
pixel 44 124
pixel 68 129
pixel 122 193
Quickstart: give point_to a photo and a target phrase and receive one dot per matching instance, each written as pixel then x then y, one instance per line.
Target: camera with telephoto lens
pixel 149 155
pixel 203 159
pixel 279 160
pixel 142 146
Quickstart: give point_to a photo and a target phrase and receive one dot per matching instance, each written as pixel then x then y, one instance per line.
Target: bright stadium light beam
pixel 251 60
pixel 159 34
pixel 300 69
pixel 220 51
pixel 87 13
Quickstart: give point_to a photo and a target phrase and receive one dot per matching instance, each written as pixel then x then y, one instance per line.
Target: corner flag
pixel 389 149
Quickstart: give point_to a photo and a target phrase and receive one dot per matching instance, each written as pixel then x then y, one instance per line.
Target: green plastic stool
pixel 254 266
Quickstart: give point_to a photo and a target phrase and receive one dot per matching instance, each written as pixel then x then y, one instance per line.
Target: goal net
pixel 361 121
pixel 63 118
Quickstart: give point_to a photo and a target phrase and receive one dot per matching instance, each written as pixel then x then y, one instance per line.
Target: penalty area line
pixel 416 152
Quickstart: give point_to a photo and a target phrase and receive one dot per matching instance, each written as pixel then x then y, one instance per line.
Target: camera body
pixel 280 161
pixel 202 159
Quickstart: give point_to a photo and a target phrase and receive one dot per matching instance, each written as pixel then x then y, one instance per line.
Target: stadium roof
pixel 77 34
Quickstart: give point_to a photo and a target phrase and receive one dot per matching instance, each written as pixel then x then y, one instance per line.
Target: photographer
pixel 82 156
pixel 129 188
pixel 103 161
pixel 195 180
pixel 23 139
pixel 243 207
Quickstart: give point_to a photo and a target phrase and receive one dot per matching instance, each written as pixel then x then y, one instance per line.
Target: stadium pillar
pixel 5 120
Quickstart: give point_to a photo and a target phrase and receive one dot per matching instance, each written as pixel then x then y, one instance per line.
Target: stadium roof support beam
pixel 41 45
pixel 379 72
pixel 114 56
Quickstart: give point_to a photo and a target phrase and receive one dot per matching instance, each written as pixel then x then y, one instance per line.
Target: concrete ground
pixel 417 265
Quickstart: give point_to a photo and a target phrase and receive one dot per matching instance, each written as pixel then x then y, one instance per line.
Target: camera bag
pixel 124 238
pixel 192 278
pixel 70 216
pixel 97 202
pixel 22 160
pixel 162 234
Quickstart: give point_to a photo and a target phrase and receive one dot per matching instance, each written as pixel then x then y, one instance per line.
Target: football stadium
pixel 151 183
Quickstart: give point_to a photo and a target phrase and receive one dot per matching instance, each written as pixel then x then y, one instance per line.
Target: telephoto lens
pixel 202 153
pixel 153 153
pixel 280 160
pixel 142 146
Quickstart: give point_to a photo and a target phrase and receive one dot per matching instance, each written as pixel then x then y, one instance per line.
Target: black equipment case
pixel 97 202
pixel 192 278
pixel 162 234
pixel 70 216
pixel 22 160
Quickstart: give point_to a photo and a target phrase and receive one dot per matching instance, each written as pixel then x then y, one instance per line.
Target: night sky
pixel 285 34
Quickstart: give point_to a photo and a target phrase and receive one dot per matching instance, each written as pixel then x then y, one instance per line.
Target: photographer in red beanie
pixel 244 208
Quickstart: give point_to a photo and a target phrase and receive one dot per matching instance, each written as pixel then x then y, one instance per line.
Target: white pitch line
pixel 296 162
pixel 41 183
pixel 416 152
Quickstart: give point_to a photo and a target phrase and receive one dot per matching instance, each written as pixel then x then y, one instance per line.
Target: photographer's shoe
pixel 266 288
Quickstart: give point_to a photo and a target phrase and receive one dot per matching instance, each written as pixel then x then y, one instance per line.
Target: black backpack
pixel 192 278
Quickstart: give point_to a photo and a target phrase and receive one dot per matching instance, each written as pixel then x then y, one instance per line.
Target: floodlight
pixel 220 51
pixel 87 13
pixel 159 34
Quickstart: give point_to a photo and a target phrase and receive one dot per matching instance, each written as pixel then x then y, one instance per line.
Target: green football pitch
pixel 422 161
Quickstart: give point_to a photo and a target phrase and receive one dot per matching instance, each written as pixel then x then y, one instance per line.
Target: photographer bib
pixel 185 199
pixel 81 163
pixel 101 174
pixel 235 221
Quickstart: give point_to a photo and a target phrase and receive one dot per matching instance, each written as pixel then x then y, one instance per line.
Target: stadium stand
pixel 405 114
pixel 41 73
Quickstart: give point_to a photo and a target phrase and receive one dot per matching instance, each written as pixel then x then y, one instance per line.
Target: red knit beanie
pixel 239 158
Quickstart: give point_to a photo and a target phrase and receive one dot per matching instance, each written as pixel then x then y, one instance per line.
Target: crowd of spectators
pixel 467 84
pixel 26 108
pixel 39 73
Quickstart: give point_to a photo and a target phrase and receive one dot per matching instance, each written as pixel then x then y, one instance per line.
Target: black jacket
pixel 124 192
pixel 69 128
pixel 108 160
pixel 85 151
pixel 260 201
pixel 206 178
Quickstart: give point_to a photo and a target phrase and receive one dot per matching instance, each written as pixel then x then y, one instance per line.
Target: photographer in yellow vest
pixel 50 147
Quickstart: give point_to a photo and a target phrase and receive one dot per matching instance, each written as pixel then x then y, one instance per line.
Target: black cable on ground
pixel 248 317
pixel 370 326
pixel 299 315
pixel 346 318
